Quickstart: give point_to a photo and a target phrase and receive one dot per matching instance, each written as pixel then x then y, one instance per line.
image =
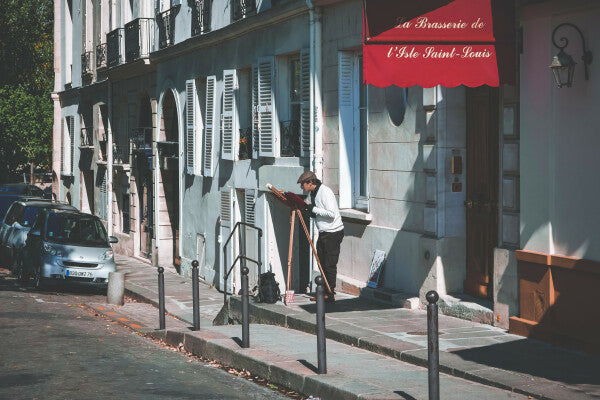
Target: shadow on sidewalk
pixel 538 359
pixel 348 305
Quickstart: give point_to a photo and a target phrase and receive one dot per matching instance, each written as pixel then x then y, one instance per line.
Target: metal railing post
pixel 245 304
pixel 321 345
pixel 196 295
pixel 161 298
pixel 433 353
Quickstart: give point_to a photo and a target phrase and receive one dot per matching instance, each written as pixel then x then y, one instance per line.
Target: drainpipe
pixel 109 163
pixel 316 109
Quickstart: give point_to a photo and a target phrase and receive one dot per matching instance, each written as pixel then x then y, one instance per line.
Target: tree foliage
pixel 26 78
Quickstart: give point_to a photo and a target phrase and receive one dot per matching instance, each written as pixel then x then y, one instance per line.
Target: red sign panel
pixel 429 43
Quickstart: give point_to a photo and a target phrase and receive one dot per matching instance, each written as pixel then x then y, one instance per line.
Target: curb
pixel 416 357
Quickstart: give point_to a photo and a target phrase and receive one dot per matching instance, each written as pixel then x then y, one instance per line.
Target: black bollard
pixel 195 295
pixel 321 350
pixel 245 304
pixel 433 349
pixel 161 298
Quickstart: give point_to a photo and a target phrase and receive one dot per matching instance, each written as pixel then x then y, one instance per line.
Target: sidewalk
pixel 362 330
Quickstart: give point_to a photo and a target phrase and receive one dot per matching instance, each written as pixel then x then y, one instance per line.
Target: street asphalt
pixel 55 348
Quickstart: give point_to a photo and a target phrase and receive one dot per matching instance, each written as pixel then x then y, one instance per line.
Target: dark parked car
pixel 67 246
pixel 5 202
pixel 18 221
pixel 23 189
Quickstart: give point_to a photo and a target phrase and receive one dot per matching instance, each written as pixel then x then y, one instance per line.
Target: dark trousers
pixel 328 250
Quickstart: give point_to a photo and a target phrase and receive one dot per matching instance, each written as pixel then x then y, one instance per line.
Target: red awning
pixel 438 42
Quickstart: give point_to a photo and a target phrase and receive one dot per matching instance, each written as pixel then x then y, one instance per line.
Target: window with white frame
pixel 68 42
pixel 293 104
pixel 353 123
pixel 245 113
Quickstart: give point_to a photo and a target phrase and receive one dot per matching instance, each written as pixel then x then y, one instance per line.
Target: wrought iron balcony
pixel 86 140
pixel 141 139
pixel 245 151
pixel 168 149
pixel 201 17
pixel 166 28
pixel 243 8
pixel 115 48
pixel 168 155
pixel 290 138
pixel 139 37
pixel 87 64
pixel 101 56
pixel 120 153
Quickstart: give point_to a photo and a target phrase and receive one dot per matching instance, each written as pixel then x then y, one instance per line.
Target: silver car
pixel 67 246
pixel 17 222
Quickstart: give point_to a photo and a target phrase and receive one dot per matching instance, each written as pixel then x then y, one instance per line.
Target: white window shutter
pixel 229 125
pixel 71 145
pixel 226 208
pixel 255 136
pixel 249 206
pixel 268 125
pixel 190 124
pixel 63 149
pixel 305 116
pixel 227 223
pixel 346 121
pixel 209 125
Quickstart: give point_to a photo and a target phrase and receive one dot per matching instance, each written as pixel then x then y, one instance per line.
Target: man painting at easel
pixel 322 206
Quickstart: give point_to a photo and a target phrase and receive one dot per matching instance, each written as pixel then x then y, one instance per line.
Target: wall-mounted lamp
pixel 563 65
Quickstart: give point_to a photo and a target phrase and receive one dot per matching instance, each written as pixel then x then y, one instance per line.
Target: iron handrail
pixel 239 257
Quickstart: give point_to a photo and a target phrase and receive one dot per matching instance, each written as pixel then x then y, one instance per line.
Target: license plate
pixel 79 274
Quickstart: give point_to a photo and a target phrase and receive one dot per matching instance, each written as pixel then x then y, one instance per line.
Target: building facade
pixel 171 117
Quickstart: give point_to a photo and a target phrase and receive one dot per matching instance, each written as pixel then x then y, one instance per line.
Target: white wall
pixel 559 162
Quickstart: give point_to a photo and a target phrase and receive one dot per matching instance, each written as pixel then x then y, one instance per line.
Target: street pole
pixel 195 295
pixel 433 353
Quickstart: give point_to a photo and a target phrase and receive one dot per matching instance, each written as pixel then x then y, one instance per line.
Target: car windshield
pixel 75 229
pixel 29 215
pixel 5 203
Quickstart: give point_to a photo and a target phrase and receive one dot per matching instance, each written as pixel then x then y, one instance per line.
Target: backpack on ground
pixel 268 288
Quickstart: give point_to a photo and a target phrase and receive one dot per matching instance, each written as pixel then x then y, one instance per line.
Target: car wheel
pixel 22 275
pixel 38 279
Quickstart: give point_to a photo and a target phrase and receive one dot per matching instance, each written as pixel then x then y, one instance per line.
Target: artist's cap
pixel 307 176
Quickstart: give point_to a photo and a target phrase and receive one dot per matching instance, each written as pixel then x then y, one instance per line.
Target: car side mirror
pixel 112 239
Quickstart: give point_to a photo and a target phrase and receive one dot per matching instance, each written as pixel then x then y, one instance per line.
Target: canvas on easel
pixel 376 269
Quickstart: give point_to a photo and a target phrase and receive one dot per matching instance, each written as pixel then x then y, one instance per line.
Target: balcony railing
pixel 245 151
pixel 120 153
pixel 115 48
pixel 290 138
pixel 141 139
pixel 101 56
pixel 168 154
pixel 86 140
pixel 243 8
pixel 166 28
pixel 201 17
pixel 87 64
pixel 139 37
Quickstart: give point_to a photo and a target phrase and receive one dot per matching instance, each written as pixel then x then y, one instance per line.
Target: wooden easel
pixel 280 195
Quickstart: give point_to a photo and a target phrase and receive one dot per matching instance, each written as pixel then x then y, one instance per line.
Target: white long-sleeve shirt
pixel 326 209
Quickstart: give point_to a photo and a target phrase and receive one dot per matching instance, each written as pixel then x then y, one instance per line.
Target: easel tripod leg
pixel 313 249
